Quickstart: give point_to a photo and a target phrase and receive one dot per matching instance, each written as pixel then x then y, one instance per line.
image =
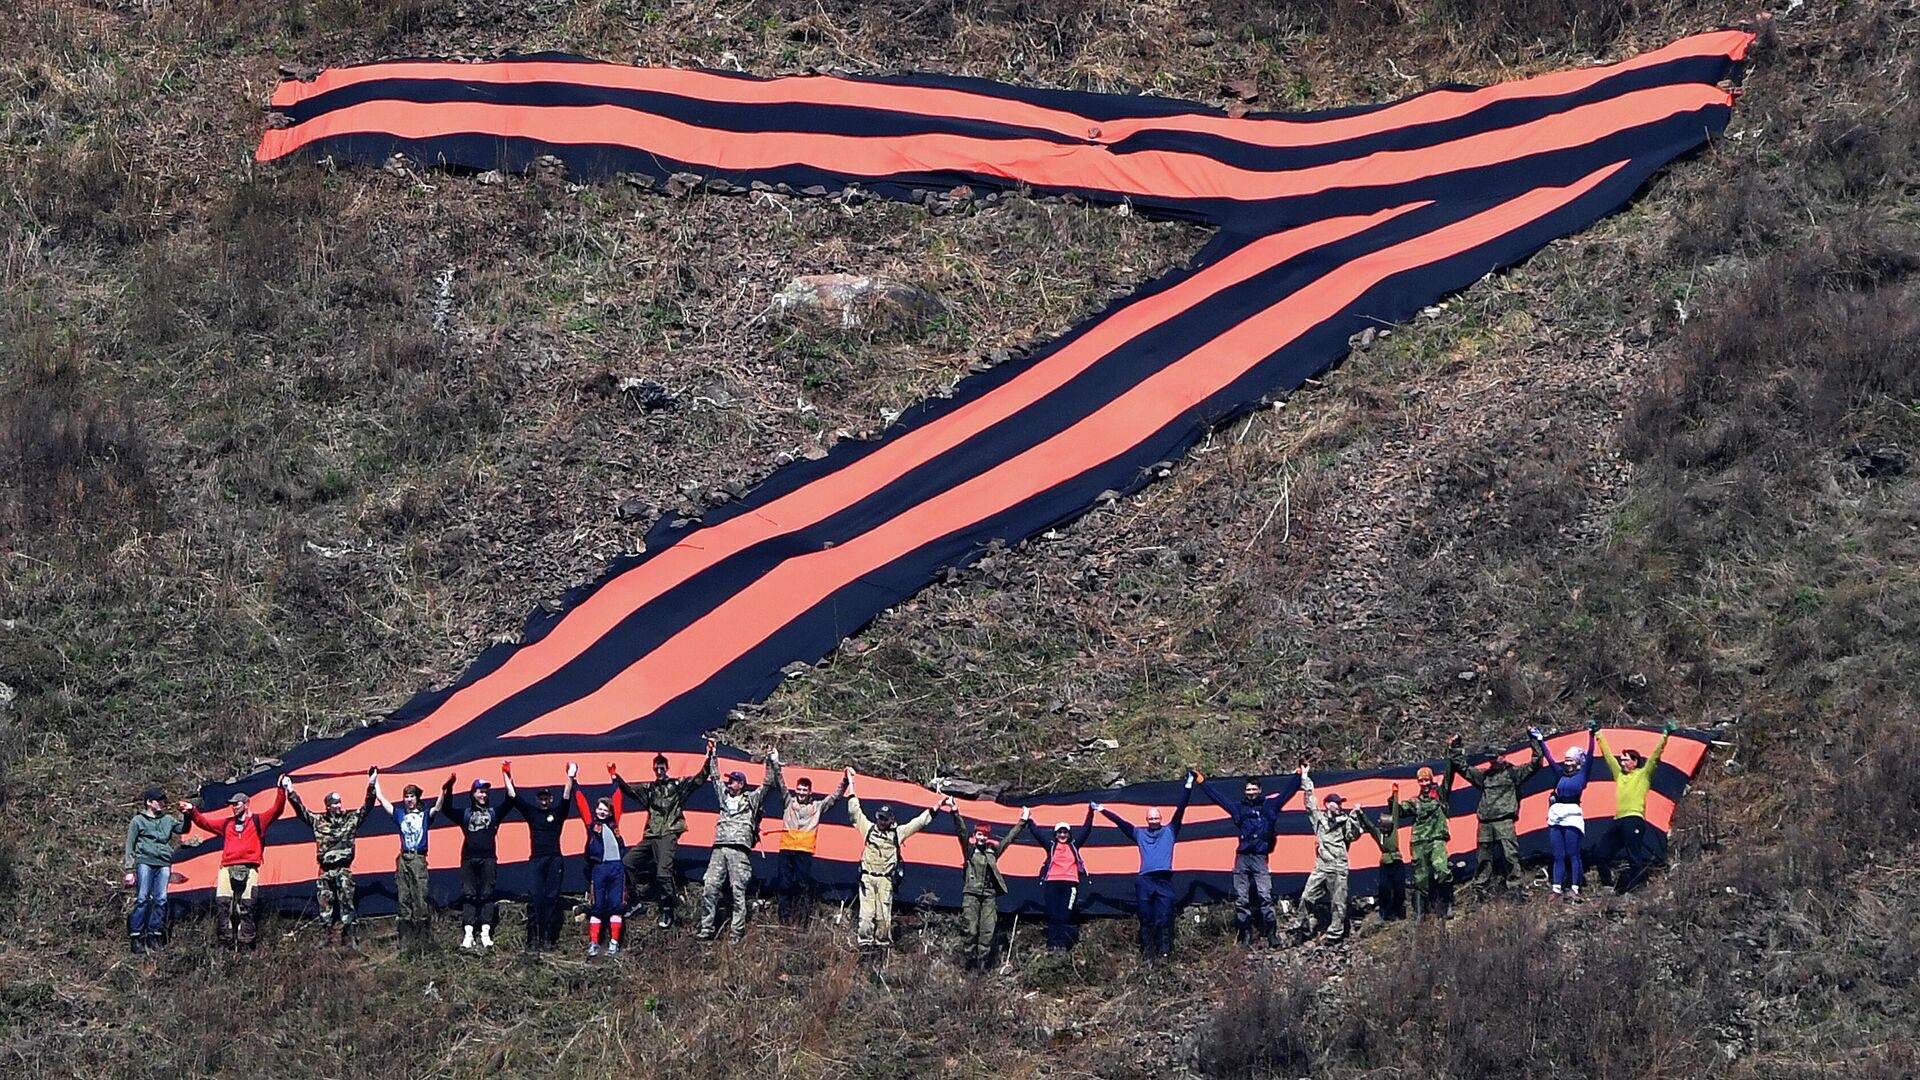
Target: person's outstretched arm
pixel 1666 732
pixel 860 822
pixel 1180 811
pixel 288 795
pixel 1086 828
pixel 1120 823
pixel 921 821
pixel 566 792
pixel 381 797
pixel 960 832
pixel 273 812
pixel 1207 789
pixel 1606 754
pixel 373 794
pixel 827 803
pixel 444 804
pixel 1005 842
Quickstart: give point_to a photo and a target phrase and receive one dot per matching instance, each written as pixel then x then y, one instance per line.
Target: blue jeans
pixel 149 914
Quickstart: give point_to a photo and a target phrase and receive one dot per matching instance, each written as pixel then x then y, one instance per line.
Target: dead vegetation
pixel 279 446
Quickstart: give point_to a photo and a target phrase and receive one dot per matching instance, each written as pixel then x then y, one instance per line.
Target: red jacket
pixel 242 845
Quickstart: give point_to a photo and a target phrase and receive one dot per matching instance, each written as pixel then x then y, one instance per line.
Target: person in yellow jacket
pixel 1631 834
pixel 880 840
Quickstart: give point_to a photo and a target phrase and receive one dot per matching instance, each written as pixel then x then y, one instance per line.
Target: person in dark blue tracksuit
pixel 1153 886
pixel 1255 819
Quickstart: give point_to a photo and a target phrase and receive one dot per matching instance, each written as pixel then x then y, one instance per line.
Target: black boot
pixel 1419 905
pixel 138 943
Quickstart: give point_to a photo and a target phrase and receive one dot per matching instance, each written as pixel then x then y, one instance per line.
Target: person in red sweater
pixel 243 845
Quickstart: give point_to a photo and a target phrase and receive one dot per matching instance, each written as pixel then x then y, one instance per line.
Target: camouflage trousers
pixel 334 889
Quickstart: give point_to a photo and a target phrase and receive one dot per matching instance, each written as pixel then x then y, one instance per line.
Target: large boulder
pixel 855 300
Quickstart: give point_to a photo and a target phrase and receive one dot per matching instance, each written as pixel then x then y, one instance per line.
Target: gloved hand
pixel 1669 728
pixel 1593 725
pixel 1095 807
pixel 572 770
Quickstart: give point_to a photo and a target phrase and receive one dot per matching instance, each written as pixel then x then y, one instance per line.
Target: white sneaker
pixel 467 942
pixel 593 948
pixel 613 948
pixel 486 937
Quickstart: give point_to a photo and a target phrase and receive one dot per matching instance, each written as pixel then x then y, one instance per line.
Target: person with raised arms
pixel 735 832
pixel 982 884
pixel 413 819
pixel 1632 780
pixel 1499 783
pixel 1566 821
pixel 1390 894
pixel 664 798
pixel 243 846
pixel 1428 813
pixel 1153 884
pixel 545 816
pixel 1256 817
pixel 479 823
pixel 606 873
pixel 148 866
pixel 800 815
pixel 1063 873
pixel 880 839
pixel 334 830
pixel 1335 828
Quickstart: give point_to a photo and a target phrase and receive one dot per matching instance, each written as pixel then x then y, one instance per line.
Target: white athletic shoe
pixel 593 948
pixel 467 942
pixel 613 948
pixel 486 937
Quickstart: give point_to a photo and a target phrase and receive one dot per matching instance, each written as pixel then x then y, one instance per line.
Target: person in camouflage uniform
pixel 880 839
pixel 664 798
pixel 983 884
pixel 735 833
pixel 1499 783
pixel 333 840
pixel 1390 896
pixel 1427 812
pixel 1335 828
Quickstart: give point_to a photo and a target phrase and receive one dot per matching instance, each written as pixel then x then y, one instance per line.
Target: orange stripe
pixel 615 600
pixel 773 600
pixel 1161 174
pixel 1435 107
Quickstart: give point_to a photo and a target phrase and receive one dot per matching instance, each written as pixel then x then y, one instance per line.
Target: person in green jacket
pixel 1499 783
pixel 880 839
pixel 1630 833
pixel 1390 895
pixel 333 841
pixel 148 865
pixel 982 883
pixel 1428 813
pixel 735 833
pixel 664 798
pixel 1335 828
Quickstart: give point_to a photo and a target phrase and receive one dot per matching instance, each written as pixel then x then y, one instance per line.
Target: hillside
pixel 283 445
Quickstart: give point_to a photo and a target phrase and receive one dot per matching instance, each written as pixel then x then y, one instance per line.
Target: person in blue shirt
pixel 1566 822
pixel 412 817
pixel 1153 885
pixel 1255 819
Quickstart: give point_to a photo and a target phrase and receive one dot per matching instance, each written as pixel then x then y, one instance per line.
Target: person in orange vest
pixel 800 813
